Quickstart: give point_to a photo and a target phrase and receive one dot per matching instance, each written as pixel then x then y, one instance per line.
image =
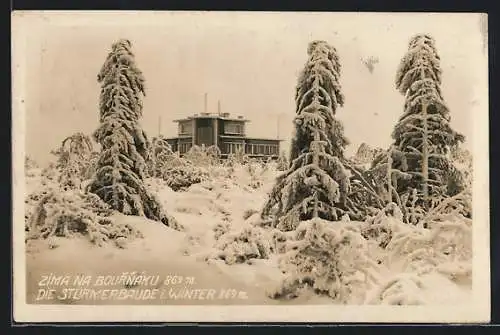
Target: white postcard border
pixel 478 310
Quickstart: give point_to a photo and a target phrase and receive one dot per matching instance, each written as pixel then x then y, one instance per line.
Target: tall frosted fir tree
pixel 121 166
pixel 423 133
pixel 316 183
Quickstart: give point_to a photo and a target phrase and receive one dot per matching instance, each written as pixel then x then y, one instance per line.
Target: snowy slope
pixel 201 209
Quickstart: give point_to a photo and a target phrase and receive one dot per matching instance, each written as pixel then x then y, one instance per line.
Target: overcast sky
pixel 250 61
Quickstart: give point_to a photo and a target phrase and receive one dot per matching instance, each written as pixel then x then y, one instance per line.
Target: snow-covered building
pixel 226 132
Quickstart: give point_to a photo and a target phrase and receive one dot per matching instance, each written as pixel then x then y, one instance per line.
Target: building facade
pixel 223 131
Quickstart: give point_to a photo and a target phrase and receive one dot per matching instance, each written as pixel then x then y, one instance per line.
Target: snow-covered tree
pixel 365 155
pixel 282 163
pixel 78 145
pixel 316 182
pixel 124 145
pixel 203 156
pixel 423 133
pixel 159 155
pixel 214 154
pixel 73 159
pixel 329 67
pixel 385 177
pixel 30 163
pixel 462 159
pixel 330 259
pixel 180 173
pixel 75 147
pixel 63 213
pixel 239 157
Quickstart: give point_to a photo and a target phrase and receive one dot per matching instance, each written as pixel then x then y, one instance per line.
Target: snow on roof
pixel 222 116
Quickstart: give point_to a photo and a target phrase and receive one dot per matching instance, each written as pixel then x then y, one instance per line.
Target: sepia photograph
pixel 250 167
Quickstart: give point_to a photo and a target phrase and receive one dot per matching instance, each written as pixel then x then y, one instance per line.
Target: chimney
pixel 206 103
pixel 218 107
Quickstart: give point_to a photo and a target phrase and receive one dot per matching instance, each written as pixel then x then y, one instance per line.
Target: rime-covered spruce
pixel 124 145
pixel 422 136
pixel 316 183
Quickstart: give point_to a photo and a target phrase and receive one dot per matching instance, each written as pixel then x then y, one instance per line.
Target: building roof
pixel 174 138
pixel 221 116
pixel 178 136
pixel 263 139
pixel 250 138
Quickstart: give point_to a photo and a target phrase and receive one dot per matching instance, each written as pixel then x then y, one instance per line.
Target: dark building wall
pixel 220 127
pixel 220 131
pixel 204 132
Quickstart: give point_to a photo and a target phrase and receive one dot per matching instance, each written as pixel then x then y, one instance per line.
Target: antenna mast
pixel 278 125
pixel 206 103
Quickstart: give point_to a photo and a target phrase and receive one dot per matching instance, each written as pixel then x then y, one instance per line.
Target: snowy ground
pixel 163 251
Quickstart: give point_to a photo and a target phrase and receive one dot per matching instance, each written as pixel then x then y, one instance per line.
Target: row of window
pixel 230 128
pixel 252 149
pixel 233 148
pixel 262 149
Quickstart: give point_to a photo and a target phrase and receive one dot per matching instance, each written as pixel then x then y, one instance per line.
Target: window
pixel 233 128
pixel 186 128
pixel 249 149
